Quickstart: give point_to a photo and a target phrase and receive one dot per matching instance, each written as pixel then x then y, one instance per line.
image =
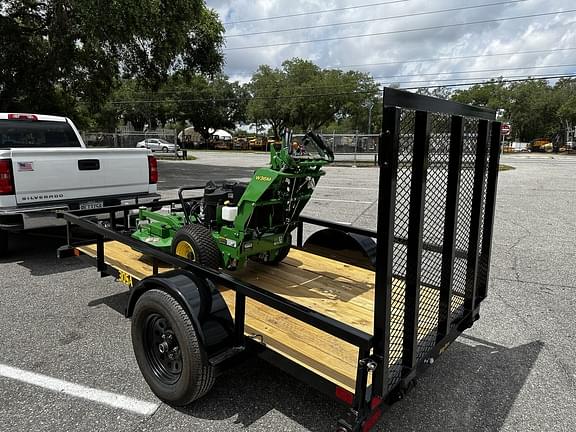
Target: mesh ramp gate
pixel 438 173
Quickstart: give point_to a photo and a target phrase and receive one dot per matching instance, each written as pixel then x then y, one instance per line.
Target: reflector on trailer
pixel 344 395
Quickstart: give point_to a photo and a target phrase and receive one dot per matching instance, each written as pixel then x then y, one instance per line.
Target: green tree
pixel 533 110
pixel 303 96
pixel 565 99
pixel 58 54
pixel 210 104
pixel 530 106
pixel 266 105
pixel 493 94
pixel 360 101
pixel 437 92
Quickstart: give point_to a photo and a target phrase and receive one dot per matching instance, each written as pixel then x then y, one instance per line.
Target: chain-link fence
pixel 349 143
pixel 128 139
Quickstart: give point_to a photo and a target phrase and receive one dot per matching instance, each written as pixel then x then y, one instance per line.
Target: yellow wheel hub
pixel 185 250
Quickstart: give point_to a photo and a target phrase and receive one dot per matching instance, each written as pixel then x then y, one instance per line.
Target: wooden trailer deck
pixel 338 290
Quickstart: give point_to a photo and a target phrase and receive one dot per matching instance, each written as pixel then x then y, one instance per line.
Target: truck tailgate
pixel 52 175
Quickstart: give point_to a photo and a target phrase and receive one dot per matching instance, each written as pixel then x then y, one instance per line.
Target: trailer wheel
pixel 3 242
pixel 167 350
pixel 195 243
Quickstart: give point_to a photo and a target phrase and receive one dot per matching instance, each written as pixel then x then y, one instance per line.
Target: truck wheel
pixel 167 350
pixel 195 243
pixel 3 242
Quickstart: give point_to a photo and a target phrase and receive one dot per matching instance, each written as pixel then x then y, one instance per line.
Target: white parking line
pixel 346 187
pixel 339 200
pixel 113 400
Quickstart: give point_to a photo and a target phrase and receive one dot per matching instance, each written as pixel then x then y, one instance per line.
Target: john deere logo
pixel 263 178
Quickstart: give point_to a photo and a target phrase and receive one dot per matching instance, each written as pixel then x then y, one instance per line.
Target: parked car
pixel 158 144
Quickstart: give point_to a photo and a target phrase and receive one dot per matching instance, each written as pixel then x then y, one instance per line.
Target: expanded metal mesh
pixel 433 229
pixel 433 232
pixel 464 215
pixel 484 262
pixel 401 219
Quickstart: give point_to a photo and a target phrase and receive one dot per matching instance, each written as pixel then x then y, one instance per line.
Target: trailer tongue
pixel 360 332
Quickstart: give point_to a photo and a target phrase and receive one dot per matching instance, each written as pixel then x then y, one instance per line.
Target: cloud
pixel 506 36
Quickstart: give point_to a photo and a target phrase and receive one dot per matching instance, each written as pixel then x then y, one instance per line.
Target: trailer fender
pixel 200 299
pixel 354 249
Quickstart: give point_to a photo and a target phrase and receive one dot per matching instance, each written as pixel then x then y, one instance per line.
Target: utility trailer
pixel 358 314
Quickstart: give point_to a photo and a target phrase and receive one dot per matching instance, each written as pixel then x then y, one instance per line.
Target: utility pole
pixel 355 148
pixel 370 106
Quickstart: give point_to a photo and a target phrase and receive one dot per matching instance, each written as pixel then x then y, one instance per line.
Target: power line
pixel 399 31
pixel 376 19
pixel 433 59
pixel 315 12
pixel 389 77
pixel 474 71
pixel 243 98
pixel 483 81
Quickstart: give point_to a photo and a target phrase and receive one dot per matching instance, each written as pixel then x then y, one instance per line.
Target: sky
pixel 401 43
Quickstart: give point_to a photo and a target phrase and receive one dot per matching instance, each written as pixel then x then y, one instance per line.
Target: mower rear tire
pixel 168 351
pixel 195 243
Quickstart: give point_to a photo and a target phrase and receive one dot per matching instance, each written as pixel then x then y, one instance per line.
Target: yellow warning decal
pixel 126 279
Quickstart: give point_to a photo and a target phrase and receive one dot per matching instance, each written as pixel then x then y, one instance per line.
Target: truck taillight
pixel 22 117
pixel 6 178
pixel 152 169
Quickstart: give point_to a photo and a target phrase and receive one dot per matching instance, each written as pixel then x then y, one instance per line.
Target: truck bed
pixel 340 291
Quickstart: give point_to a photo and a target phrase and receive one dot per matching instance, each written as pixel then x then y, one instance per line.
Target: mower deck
pixel 340 291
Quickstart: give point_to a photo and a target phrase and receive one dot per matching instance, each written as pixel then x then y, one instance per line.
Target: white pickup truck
pixel 45 166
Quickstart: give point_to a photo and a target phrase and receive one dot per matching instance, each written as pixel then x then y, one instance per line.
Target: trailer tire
pixel 160 326
pixel 195 243
pixel 3 242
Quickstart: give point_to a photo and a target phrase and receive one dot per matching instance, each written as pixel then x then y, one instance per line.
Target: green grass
pixel 503 167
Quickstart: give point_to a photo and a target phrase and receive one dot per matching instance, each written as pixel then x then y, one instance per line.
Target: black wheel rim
pixel 162 349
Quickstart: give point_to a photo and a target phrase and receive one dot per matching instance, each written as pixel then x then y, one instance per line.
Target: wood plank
pixel 301 343
pixel 338 290
pixel 123 257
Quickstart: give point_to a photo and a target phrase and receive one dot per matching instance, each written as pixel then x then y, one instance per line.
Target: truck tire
pixel 195 243
pixel 167 350
pixel 3 242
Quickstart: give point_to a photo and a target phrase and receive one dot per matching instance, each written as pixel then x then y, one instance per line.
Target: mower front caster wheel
pixel 272 258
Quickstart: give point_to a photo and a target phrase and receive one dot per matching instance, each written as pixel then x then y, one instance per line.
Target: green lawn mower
pixel 236 221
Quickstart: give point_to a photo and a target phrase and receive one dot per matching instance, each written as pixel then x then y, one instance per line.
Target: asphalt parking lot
pixel 66 361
